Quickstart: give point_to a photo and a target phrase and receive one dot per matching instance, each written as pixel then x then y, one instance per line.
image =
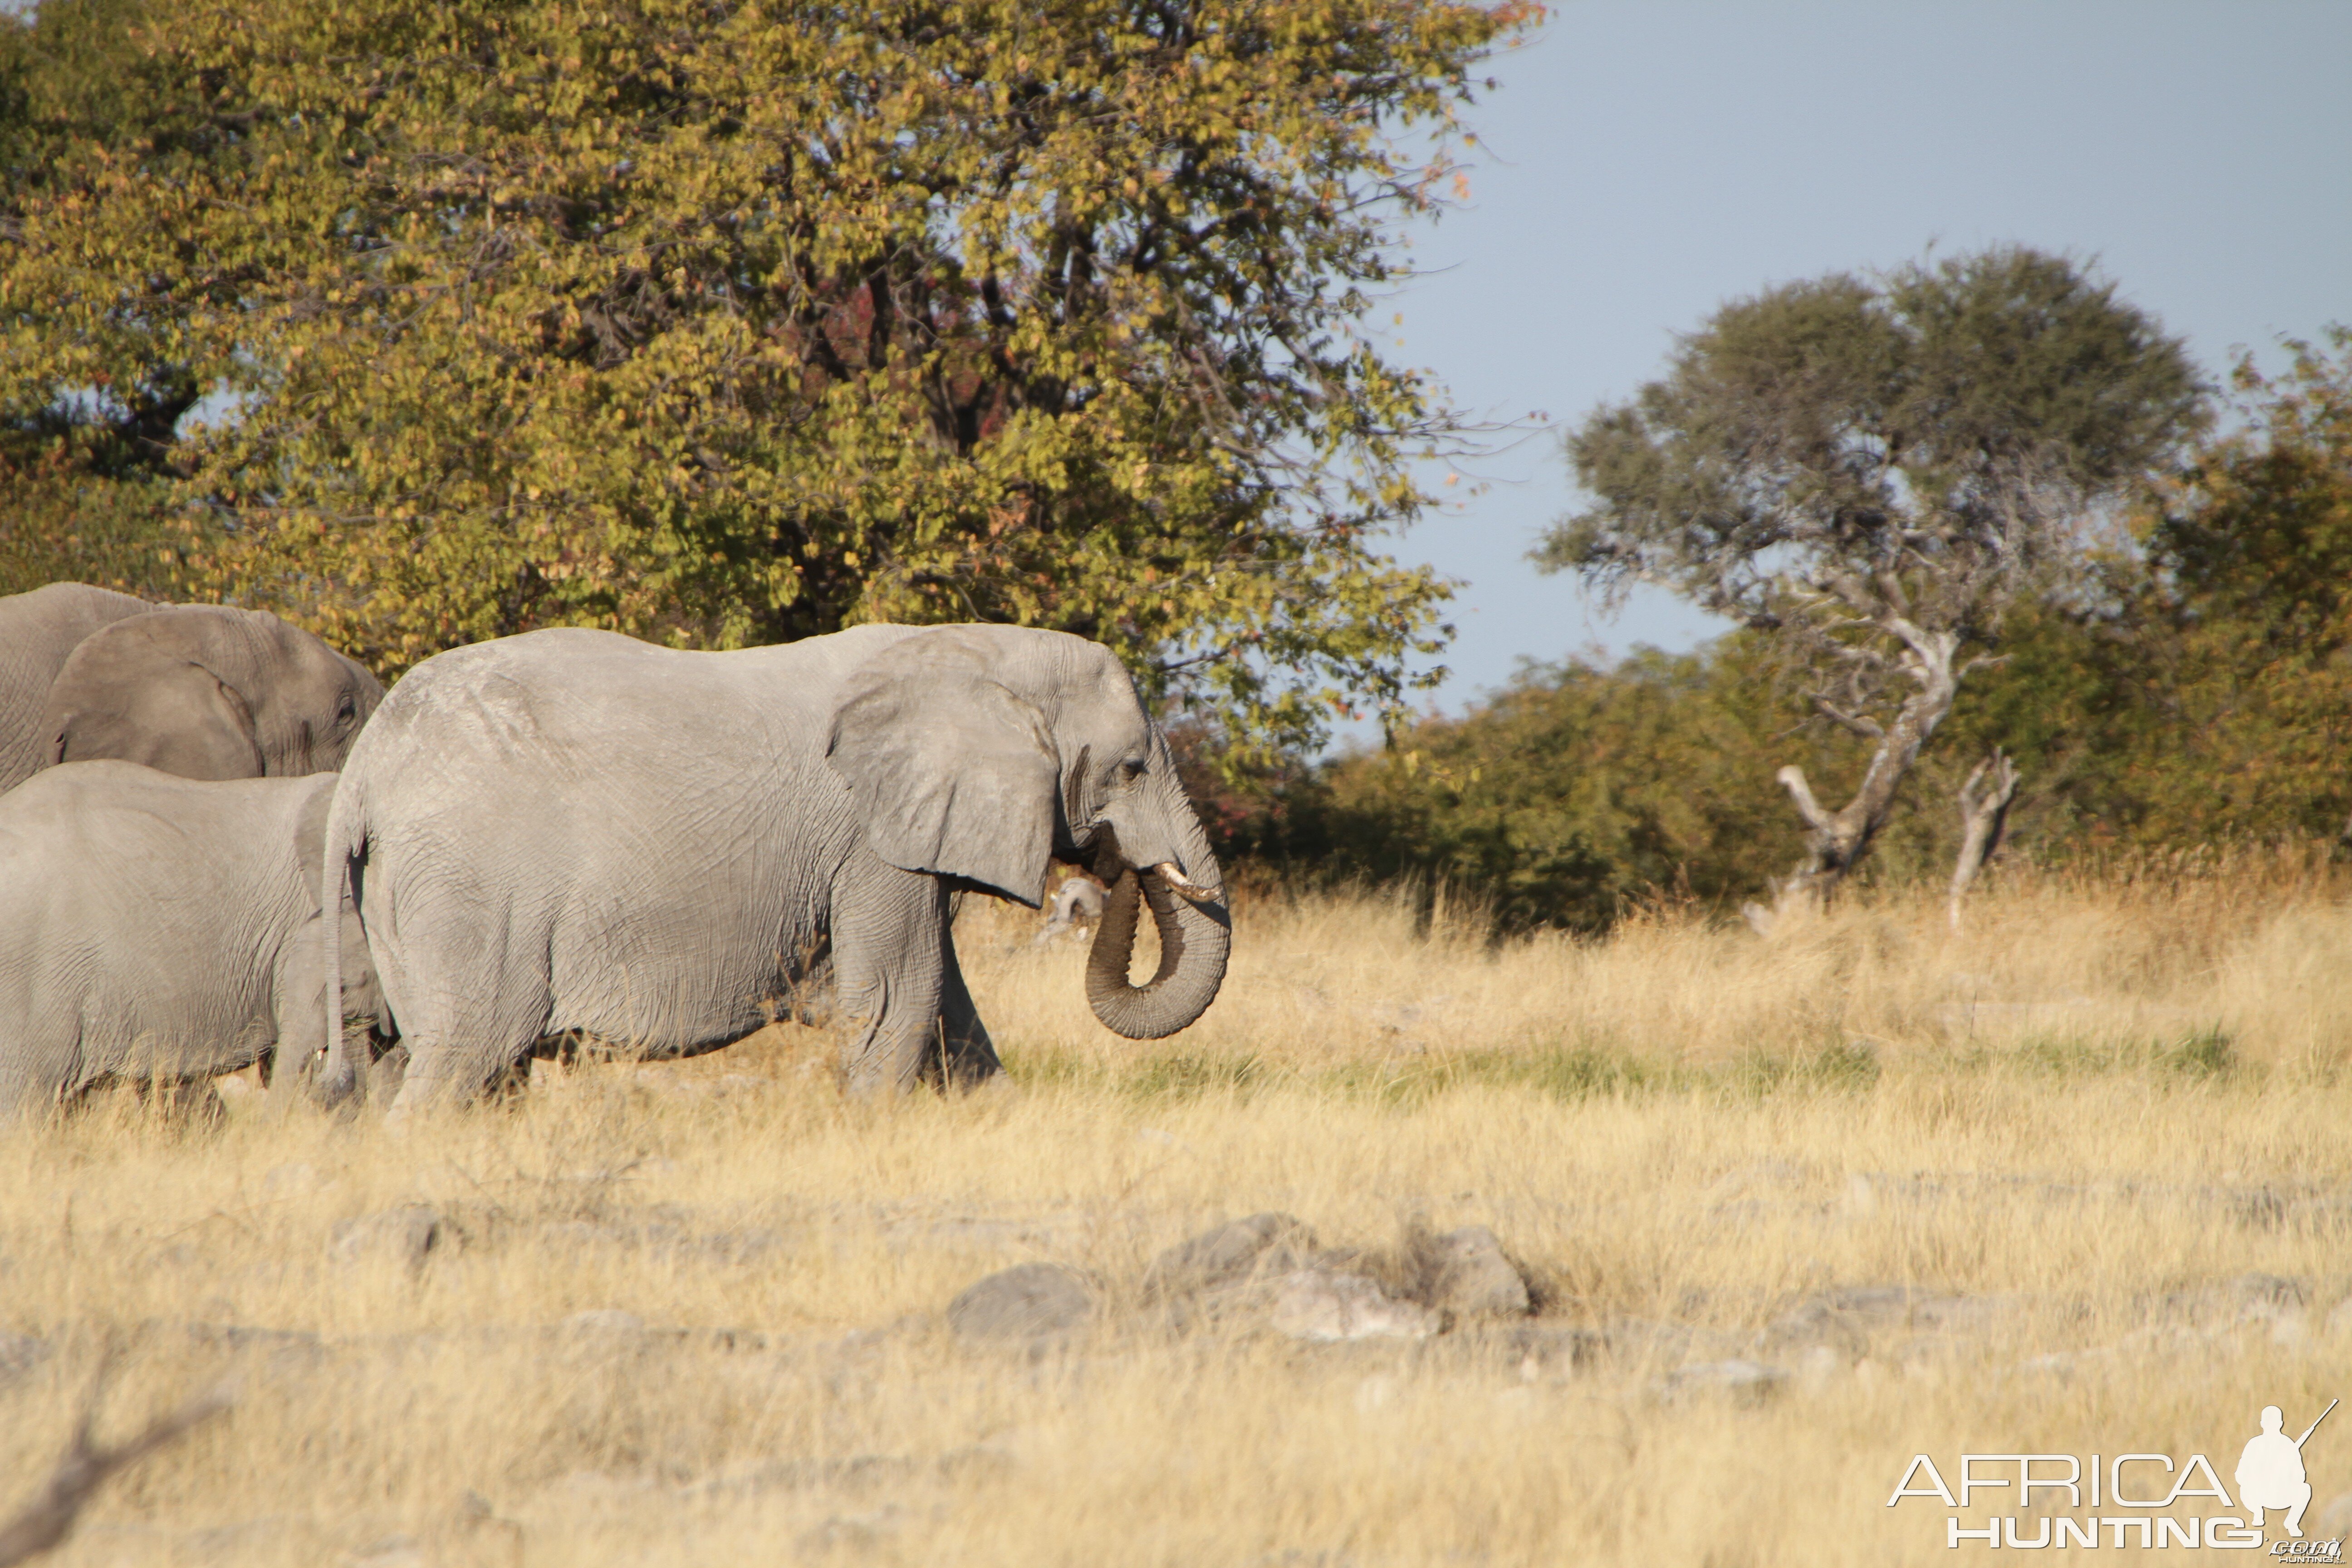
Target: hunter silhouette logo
pixel 2270 1472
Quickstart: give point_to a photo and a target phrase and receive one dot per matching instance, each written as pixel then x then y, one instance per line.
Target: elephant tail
pixel 345 842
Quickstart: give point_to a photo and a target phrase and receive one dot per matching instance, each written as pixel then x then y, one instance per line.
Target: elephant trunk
pixel 1194 939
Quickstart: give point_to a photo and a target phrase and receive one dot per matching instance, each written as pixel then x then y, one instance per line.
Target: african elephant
pixel 207 692
pixel 569 831
pixel 156 927
pixel 39 631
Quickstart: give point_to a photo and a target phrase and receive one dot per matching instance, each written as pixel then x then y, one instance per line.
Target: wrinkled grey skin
pixel 160 927
pixel 207 692
pixel 38 632
pixel 572 831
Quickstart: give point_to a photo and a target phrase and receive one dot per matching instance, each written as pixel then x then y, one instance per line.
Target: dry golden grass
pixel 2091 1118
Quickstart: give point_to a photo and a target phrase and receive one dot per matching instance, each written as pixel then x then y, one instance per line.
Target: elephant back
pixel 38 632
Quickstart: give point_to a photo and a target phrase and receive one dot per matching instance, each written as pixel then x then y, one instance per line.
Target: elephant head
pixel 980 752
pixel 208 692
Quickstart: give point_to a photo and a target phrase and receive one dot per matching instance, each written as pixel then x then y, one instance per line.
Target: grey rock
pixel 291 1181
pixel 1030 1302
pixel 1545 1351
pixel 407 1236
pixel 1743 1381
pixel 1325 1308
pixel 19 1355
pixel 399 1550
pixel 1846 1320
pixel 1474 1279
pixel 853 1530
pixel 1241 1249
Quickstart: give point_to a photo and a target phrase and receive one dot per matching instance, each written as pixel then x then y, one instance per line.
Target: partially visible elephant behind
pixel 569 831
pixel 206 691
pixel 38 632
pixel 162 928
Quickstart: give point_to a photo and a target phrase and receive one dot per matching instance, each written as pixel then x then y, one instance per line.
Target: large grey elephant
pixel 569 831
pixel 38 632
pixel 156 927
pixel 206 691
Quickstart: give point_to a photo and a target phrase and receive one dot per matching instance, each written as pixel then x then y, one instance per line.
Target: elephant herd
pixel 220 840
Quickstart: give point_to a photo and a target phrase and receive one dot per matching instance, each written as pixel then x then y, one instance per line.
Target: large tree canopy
pixel 1869 471
pixel 726 322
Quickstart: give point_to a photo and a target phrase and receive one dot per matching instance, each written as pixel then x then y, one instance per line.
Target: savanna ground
pixel 2072 1182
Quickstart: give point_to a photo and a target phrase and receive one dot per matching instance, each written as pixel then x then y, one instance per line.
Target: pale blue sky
pixel 1644 160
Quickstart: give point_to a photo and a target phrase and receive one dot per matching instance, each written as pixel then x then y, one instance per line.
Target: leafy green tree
pixel 1868 473
pixel 84 469
pixel 2251 639
pixel 1566 799
pixel 723 323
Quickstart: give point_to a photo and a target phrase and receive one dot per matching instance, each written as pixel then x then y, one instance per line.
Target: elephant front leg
pixel 900 990
pixel 967 1057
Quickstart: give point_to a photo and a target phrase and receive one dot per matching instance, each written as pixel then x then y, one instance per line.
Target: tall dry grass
pixel 690 1313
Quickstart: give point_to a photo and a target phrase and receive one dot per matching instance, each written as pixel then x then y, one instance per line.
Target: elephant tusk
pixel 1166 872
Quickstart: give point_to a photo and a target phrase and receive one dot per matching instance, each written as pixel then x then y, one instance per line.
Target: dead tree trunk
pixel 1835 841
pixel 1984 818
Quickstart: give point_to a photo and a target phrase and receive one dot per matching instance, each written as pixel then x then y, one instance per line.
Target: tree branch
pixel 49 1516
pixel 1984 819
pixel 1867 728
pixel 1792 779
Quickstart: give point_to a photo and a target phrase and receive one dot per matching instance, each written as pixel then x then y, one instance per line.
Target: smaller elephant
pixel 155 928
pixel 207 692
pixel 38 632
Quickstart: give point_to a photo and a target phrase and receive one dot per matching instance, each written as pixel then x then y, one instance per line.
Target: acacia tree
pixel 726 322
pixel 1869 471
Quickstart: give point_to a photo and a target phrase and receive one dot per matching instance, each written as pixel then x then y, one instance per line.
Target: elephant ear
pixel 953 773
pixel 182 720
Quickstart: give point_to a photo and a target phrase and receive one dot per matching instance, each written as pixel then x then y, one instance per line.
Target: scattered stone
pixel 1324 1308
pixel 1538 1351
pixel 1474 1279
pixel 1031 1301
pixel 19 1354
pixel 1519 1403
pixel 1743 1382
pixel 407 1236
pixel 1238 1250
pixel 860 1530
pixel 292 1181
pixel 1846 1320
pixel 399 1550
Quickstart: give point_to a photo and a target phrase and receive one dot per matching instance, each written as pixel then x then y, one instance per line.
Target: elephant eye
pixel 345 709
pixel 1130 770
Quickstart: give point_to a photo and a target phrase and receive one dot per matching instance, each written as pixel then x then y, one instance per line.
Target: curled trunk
pixel 1194 941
